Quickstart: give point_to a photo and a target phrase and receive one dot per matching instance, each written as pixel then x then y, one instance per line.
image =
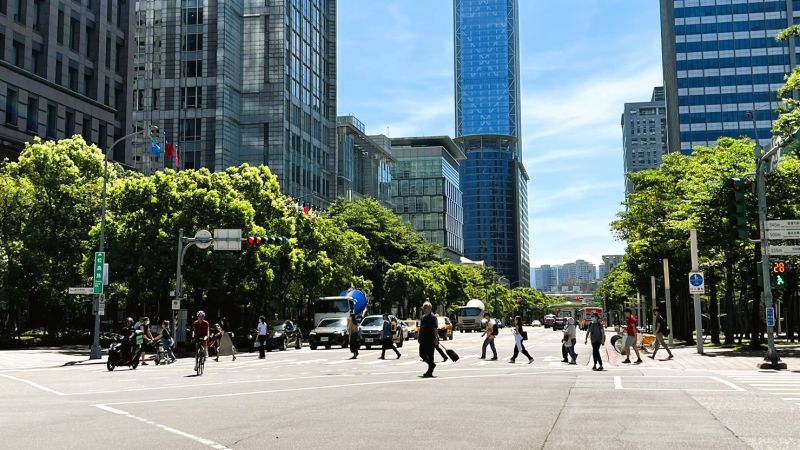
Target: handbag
pixel 172 342
pixel 257 344
pixel 524 335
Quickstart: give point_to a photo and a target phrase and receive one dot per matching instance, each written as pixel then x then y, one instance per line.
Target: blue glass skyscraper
pixel 722 64
pixel 493 178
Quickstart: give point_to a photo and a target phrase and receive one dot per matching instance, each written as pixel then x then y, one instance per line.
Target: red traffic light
pixel 250 240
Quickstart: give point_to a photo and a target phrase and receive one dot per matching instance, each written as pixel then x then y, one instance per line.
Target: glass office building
pixel 722 63
pixel 247 81
pixel 493 178
pixel 363 163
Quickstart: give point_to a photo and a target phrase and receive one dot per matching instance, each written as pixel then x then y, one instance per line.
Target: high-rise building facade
pixel 722 65
pixel 363 163
pixel 493 178
pixel 425 189
pixel 644 135
pixel 546 278
pixel 241 81
pixel 64 70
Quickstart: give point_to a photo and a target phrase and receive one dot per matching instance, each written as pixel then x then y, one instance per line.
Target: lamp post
pixel 95 351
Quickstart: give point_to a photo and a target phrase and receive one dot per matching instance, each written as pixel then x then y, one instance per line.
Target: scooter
pixel 118 355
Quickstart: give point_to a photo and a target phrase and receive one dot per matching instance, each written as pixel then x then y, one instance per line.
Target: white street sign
pixel 203 239
pixel 101 309
pixel 783 225
pixel 228 239
pixel 80 291
pixel 784 250
pixel 697 283
pixel 783 233
pixel 176 305
pixel 105 274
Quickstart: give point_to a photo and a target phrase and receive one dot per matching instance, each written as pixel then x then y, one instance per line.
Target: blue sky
pixel 580 61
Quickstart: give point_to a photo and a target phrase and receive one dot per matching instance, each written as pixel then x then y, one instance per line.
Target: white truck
pixel 470 317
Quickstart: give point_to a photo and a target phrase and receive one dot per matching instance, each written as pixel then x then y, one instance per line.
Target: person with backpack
pixel 519 336
pixel 596 332
pixel 388 338
pixel 490 332
pixel 661 330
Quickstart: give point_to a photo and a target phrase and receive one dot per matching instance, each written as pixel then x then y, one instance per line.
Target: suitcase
pixel 451 354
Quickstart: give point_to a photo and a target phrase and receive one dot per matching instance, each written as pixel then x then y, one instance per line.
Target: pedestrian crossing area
pixel 782 385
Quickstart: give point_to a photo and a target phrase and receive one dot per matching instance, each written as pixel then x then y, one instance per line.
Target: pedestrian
pixel 661 330
pixel 262 336
pixel 148 337
pixel 225 345
pixel 388 338
pixel 570 338
pixel 489 332
pixel 597 334
pixel 352 331
pixel 630 340
pixel 519 336
pixel 166 340
pixel 428 337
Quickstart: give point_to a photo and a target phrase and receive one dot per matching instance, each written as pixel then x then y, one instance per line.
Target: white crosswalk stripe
pixel 786 386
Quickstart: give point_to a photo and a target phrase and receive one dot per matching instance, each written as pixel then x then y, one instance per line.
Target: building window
pixel 2 45
pixel 156 99
pixel 11 108
pixel 3 7
pixel 32 119
pixel 192 97
pixel 192 129
pixel 102 140
pixel 60 33
pixel 36 63
pixel 193 16
pixel 74 34
pixel 18 54
pixel 108 53
pixel 59 72
pixel 110 11
pixel 193 42
pixel 72 78
pixel 193 69
pixel 69 124
pixel 138 99
pixel 52 121
pixel 86 130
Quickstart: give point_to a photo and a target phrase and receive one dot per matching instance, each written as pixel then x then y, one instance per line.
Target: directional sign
pixel 784 250
pixel 770 317
pixel 697 283
pixel 80 291
pixel 99 260
pixel 228 239
pixel 783 225
pixel 176 305
pixel 203 239
pixel 783 233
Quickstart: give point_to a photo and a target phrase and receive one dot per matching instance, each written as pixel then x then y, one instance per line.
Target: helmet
pixel 129 320
pixel 201 314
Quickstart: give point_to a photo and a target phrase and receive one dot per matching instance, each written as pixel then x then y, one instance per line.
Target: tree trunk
pixel 713 326
pixel 729 307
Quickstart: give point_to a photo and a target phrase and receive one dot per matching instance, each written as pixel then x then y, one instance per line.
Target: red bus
pixel 584 315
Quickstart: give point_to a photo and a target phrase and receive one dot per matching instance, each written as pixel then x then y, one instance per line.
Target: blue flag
pixel 155 148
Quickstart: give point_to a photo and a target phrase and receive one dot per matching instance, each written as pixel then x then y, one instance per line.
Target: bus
pixel 583 316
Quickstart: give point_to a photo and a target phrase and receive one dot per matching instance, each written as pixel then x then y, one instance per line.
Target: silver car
pixel 372 329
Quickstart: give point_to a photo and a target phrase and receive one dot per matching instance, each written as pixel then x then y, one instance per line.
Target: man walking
pixel 388 338
pixel 596 332
pixel 630 340
pixel 661 330
pixel 428 337
pixel 490 332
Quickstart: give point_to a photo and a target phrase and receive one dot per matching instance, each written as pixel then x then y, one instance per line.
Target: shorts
pixel 630 341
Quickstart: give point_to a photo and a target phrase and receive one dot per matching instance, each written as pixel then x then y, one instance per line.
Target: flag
pixel 306 208
pixel 169 149
pixel 155 149
pixel 177 160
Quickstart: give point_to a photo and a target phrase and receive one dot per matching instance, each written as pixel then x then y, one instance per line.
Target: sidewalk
pixel 47 357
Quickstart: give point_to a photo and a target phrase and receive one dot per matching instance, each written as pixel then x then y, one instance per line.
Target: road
pixel 320 399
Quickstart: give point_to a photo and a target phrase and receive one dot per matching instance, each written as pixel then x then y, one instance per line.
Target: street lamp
pixel 95 352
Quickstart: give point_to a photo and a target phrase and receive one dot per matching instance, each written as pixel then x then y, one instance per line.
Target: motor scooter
pixel 123 353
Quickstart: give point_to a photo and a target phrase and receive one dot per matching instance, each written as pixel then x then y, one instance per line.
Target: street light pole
pixel 95 351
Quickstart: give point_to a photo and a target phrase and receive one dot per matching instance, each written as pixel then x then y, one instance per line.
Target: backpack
pixel 495 329
pixel 664 327
pixel 596 332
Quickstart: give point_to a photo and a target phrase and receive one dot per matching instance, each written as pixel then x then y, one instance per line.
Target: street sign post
pixel 99 260
pixel 783 225
pixel 176 305
pixel 696 288
pixel 697 283
pixel 784 250
pixel 783 233
pixel 228 239
pixel 80 291
pixel 770 317
pixel 203 239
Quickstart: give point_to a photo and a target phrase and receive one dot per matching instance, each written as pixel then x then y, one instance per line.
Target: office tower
pixel 644 135
pixel 493 178
pixel 722 65
pixel 241 82
pixel 363 163
pixel 63 71
pixel 426 190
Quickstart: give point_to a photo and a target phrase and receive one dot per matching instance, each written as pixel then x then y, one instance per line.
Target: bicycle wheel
pixel 202 364
pixel 616 342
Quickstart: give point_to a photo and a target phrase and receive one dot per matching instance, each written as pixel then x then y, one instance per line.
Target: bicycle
pixel 199 357
pixel 645 342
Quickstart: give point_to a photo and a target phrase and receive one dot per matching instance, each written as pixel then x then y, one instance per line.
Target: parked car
pixel 283 334
pixel 372 328
pixel 549 320
pixel 559 323
pixel 445 328
pixel 403 329
pixel 413 328
pixel 536 323
pixel 329 332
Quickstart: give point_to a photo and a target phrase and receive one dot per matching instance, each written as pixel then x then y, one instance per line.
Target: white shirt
pixel 262 328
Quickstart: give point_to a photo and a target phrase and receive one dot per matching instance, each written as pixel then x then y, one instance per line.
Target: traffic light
pixel 737 208
pixel 258 241
pixel 778 274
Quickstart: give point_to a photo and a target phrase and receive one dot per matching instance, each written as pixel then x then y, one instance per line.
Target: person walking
pixel 148 338
pixel 569 340
pixel 630 340
pixel 352 331
pixel 166 340
pixel 428 337
pixel 388 338
pixel 490 332
pixel 225 345
pixel 597 334
pixel 661 330
pixel 262 337
pixel 519 336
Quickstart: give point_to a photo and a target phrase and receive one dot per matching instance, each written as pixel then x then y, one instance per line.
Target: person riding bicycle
pixel 200 332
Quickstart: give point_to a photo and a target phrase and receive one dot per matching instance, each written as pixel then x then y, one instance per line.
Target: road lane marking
pixel 198 439
pixel 647 378
pixel 36 385
pixel 617 382
pixel 728 383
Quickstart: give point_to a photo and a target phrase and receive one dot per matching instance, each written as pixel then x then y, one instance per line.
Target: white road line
pixel 372 363
pixel 481 363
pixel 344 361
pixel 198 439
pixel 779 389
pixel 774 384
pixel 309 361
pixel 728 383
pixel 36 385
pixel 618 382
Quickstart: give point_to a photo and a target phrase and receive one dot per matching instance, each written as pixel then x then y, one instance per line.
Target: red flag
pixel 177 160
pixel 169 148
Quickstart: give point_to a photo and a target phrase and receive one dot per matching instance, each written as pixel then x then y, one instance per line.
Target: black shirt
pixel 427 329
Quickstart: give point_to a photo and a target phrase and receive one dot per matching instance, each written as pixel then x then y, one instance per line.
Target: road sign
pixel 99 260
pixel 176 305
pixel 203 239
pixel 783 225
pixel 228 239
pixel 784 250
pixel 697 283
pixel 80 291
pixel 101 309
pixel 105 274
pixel 783 233
pixel 770 317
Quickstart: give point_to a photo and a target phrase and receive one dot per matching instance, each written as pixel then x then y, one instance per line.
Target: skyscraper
pixel 493 178
pixel 644 135
pixel 241 81
pixel 722 63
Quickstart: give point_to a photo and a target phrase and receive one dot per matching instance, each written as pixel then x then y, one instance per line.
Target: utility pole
pixel 653 303
pixel 698 319
pixel 761 192
pixel 667 298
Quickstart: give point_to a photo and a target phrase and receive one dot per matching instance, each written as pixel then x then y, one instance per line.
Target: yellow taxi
pixel 445 328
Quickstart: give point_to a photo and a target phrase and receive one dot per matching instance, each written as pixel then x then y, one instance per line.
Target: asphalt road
pixel 320 399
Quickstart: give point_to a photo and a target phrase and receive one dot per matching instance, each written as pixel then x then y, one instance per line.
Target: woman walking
pixel 570 338
pixel 166 340
pixel 262 337
pixel 225 345
pixel 519 336
pixel 352 332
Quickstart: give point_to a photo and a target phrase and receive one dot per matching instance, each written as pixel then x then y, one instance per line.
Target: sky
pixel 580 61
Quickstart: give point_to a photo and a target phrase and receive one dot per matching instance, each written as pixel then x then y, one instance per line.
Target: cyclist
pixel 200 332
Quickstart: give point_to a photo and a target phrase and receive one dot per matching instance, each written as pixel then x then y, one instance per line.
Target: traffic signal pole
pixel 761 193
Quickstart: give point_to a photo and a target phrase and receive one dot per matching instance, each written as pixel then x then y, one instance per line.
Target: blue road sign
pixel 696 279
pixel 770 317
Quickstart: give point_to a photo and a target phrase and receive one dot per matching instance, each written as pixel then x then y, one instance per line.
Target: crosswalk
pixel 783 385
